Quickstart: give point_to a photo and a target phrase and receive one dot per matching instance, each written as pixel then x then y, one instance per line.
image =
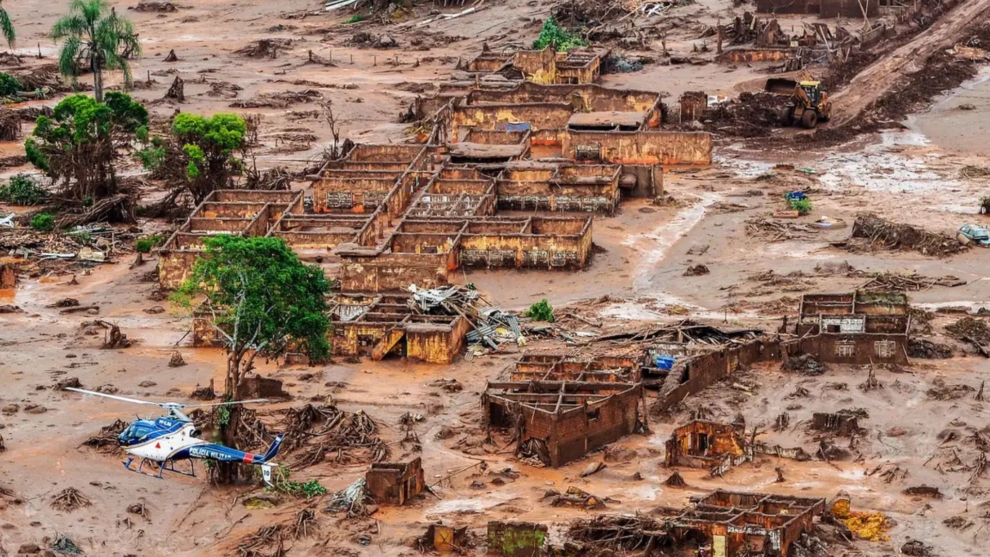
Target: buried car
pixel 974 233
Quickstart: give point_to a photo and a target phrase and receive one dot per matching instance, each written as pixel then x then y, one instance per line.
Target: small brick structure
pixel 394 483
pixel 856 327
pixel 561 421
pixel 701 444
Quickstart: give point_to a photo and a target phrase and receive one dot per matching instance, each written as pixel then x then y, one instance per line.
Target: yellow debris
pixel 868 526
pixel 840 509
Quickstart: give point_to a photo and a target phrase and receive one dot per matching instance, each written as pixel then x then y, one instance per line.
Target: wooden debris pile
pixel 265 48
pixel 972 330
pixel 890 235
pixel 106 440
pixel 778 231
pixel 619 533
pixel 318 431
pixel 69 499
pixel 267 541
pixel 284 99
pixel 898 282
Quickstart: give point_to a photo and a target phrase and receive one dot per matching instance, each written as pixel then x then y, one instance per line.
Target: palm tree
pixel 91 37
pixel 6 26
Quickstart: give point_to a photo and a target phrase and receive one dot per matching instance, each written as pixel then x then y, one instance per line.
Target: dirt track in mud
pixel 644 252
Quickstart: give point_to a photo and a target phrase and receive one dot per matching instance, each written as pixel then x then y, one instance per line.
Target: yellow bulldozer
pixel 809 103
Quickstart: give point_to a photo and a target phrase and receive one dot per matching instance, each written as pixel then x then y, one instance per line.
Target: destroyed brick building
pixel 855 328
pixel 561 421
pixel 394 483
pixel 822 8
pixel 385 217
pixel 702 444
pixel 562 367
pixel 737 524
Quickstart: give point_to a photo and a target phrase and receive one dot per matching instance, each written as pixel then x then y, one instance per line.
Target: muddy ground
pixel 912 176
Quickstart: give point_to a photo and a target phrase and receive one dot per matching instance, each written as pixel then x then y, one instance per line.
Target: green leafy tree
pixel 200 152
pixel 553 33
pixel 78 145
pixel 94 37
pixel 263 300
pixel 7 27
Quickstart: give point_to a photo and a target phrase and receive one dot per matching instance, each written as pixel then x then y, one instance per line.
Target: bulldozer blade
pixel 780 85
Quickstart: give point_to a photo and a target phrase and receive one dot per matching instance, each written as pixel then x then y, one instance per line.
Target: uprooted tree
pixel 264 302
pixel 78 146
pixel 198 155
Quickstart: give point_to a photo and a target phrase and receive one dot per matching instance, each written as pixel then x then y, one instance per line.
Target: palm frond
pixel 67 26
pixel 68 57
pixel 7 27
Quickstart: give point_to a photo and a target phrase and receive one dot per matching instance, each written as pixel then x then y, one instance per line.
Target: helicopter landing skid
pixel 163 466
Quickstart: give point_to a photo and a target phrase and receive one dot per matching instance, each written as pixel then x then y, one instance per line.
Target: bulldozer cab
pixel 814 91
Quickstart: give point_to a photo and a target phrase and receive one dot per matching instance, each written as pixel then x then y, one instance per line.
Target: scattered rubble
pixel 69 499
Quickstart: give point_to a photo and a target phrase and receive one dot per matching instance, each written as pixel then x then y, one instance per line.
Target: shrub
pixel 9 86
pixel 282 484
pixel 144 245
pixel 541 311
pixel 802 206
pixel 23 190
pixel 43 222
pixel 553 33
pixel 355 19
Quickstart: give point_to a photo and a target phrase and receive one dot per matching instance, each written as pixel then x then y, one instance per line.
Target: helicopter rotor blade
pixel 115 397
pixel 252 401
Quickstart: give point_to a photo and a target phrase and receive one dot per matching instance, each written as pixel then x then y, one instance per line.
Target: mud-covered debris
pixel 204 393
pixel 108 388
pixel 284 99
pixel 445 432
pixel 926 349
pixel 942 391
pixel 224 89
pixel 957 522
pixel 176 360
pixel 355 499
pixel 916 548
pixel 8 308
pixel 924 491
pixel 969 328
pixel 69 499
pixel 64 303
pixel 897 282
pixel 675 480
pixel 304 525
pixel 574 497
pixel 35 409
pixel 696 270
pixel 106 440
pixel 265 48
pixel 154 310
pixel 890 235
pixel 3 446
pixel 171 57
pixel 593 468
pixel 805 364
pixel 267 541
pixel 139 509
pixel 448 385
pixel 63 545
pixel 10 409
pixel 159 7
pixel 319 432
pixel 147 384
pixel 66 383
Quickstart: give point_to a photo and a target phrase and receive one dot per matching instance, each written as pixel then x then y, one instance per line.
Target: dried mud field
pixel 920 424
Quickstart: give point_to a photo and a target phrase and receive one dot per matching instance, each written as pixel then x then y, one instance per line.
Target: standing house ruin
pixel 561 421
pixel 394 483
pixel 855 328
pixel 702 444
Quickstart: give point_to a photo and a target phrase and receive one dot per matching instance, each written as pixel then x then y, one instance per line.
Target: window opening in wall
pixel 594 414
pixel 845 349
pixel 884 348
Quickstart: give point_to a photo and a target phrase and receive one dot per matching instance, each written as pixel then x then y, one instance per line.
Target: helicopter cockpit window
pixel 135 432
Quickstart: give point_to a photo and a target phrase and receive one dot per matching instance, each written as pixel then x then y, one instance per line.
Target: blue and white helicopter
pixel 167 439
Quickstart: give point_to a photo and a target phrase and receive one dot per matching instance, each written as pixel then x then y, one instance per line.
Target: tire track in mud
pixel 884 75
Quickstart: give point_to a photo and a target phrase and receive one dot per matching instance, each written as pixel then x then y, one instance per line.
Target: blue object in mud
pixel 665 362
pixel 794 195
